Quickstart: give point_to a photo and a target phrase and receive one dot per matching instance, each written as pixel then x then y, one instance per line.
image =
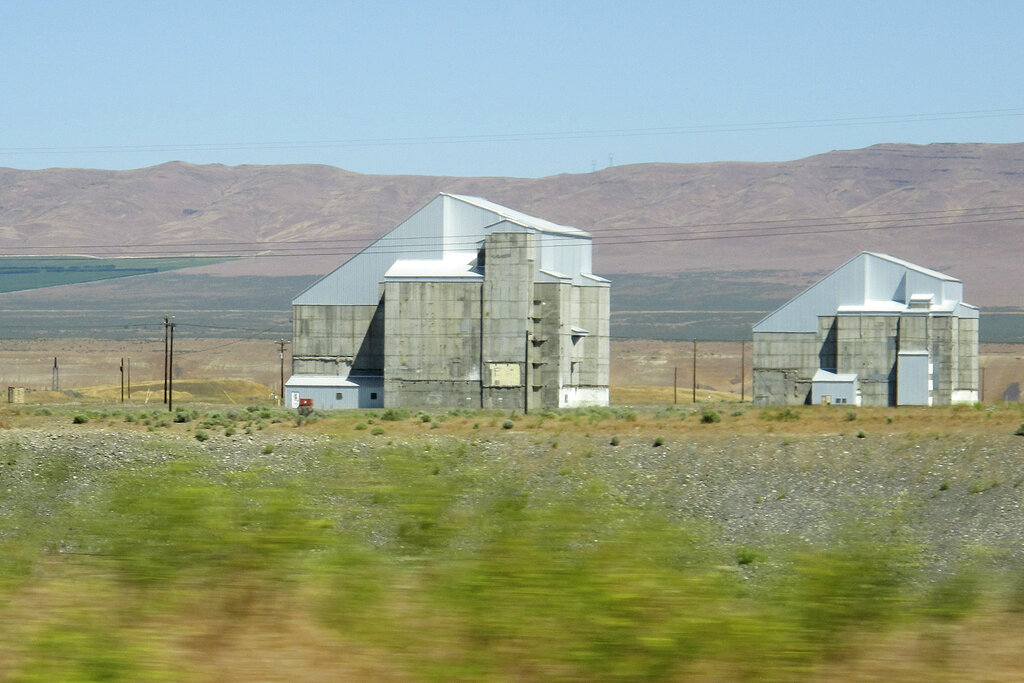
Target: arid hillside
pixel 954 207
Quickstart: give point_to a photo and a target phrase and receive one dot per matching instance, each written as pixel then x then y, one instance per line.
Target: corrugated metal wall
pixel 356 281
pixel 864 278
pixel 912 379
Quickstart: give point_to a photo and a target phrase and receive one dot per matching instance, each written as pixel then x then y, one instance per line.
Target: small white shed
pixel 331 392
pixel 832 388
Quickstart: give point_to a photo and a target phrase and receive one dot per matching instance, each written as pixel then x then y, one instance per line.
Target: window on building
pixel 373 395
pixel 338 396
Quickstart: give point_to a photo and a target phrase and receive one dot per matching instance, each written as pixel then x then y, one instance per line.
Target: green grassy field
pixel 391 545
pixel 30 272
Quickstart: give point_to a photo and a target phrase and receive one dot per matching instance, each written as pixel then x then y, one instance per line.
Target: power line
pixel 232 343
pixel 672 233
pixel 432 240
pixel 704 129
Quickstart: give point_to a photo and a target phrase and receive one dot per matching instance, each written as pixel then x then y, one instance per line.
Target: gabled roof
pixel 826 376
pixel 870 283
pixel 421 245
pixel 913 266
pixel 519 218
pixel 334 381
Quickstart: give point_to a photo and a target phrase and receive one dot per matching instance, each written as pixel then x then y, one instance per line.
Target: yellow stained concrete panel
pixel 504 374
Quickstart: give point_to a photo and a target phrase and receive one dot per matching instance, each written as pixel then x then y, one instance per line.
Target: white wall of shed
pixel 578 397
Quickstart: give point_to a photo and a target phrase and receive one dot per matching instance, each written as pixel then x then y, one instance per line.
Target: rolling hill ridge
pixel 958 208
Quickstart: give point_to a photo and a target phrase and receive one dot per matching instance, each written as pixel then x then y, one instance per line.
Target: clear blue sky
pixel 498 88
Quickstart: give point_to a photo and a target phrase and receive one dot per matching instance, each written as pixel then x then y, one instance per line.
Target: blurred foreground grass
pixel 432 562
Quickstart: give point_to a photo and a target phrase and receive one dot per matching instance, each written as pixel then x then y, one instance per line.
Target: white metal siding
pixel 912 379
pixel 326 397
pixel 464 224
pixel 839 393
pixel 865 278
pixel 355 282
pixel 565 254
pixel 842 287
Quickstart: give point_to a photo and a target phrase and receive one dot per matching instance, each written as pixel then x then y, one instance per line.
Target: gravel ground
pixel 958 497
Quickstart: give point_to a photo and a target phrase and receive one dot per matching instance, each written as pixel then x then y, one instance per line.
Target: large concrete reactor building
pixel 877 331
pixel 465 304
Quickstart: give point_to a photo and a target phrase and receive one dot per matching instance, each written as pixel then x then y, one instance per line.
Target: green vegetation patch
pixel 442 558
pixel 19 273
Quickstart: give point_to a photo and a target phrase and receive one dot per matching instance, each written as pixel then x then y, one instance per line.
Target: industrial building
pixel 877 331
pixel 465 304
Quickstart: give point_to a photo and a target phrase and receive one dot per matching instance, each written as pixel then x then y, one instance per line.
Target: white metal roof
pixel 826 376
pixel 873 307
pixel 520 218
pixel 557 276
pixel 913 266
pixel 459 264
pixel 448 223
pixel 896 307
pixel 869 283
pixel 318 381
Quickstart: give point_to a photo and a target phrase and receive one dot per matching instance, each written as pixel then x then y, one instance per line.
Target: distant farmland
pixel 704 306
pixel 19 273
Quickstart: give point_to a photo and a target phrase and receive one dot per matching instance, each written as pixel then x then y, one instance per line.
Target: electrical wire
pixel 662 234
pixel 823 221
pixel 526 137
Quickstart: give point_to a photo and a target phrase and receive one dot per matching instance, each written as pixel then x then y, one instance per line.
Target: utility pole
pixel 122 379
pixel 129 379
pixel 694 370
pixel 55 384
pixel 281 344
pixel 170 373
pixel 167 324
pixel 675 386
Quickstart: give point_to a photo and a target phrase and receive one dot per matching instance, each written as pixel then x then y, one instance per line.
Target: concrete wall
pixel 337 340
pixel 967 386
pixel 550 342
pixel 943 346
pixel 784 364
pixel 507 319
pixel 570 369
pixel 588 355
pixel 432 344
pixel 463 344
pixel 867 345
pixel 505 343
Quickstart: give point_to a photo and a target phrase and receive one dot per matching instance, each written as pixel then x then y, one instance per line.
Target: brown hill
pixel 648 218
